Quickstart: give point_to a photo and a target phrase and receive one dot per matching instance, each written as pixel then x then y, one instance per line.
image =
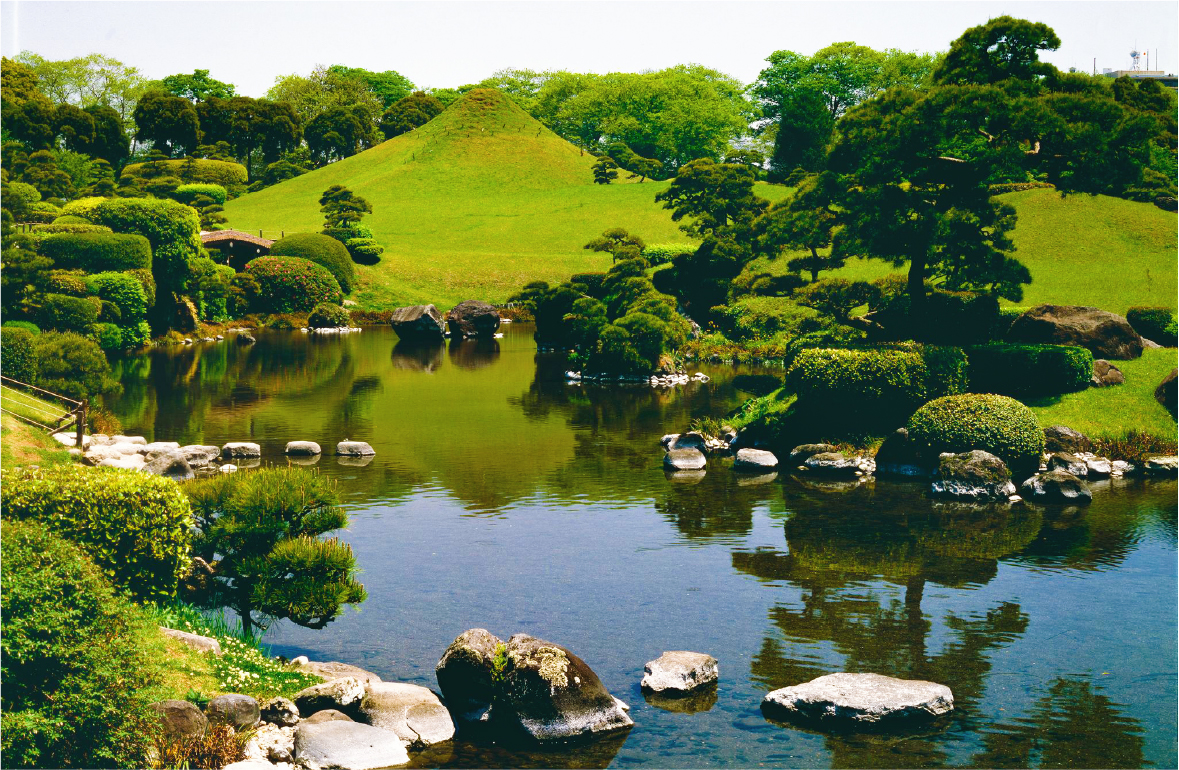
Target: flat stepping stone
pixel 354 449
pixel 685 459
pixel 347 746
pixel 413 712
pixel 240 449
pixel 860 700
pixel 755 460
pixel 303 448
pixel 679 672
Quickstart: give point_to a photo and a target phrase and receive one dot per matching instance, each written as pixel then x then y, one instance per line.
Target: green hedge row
pixel 57 226
pixel 97 252
pixel 1157 324
pixel 187 193
pixel 1028 370
pixel 220 172
pixel 65 313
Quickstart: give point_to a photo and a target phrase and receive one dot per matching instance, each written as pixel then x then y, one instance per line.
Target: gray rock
pixel 126 462
pixel 802 452
pixel 417 323
pixel 754 460
pixel 280 711
pixel 690 440
pixel 127 448
pixel 860 700
pixel 120 439
pixel 472 318
pixel 898 457
pixel 200 455
pixel 1167 394
pixel 240 449
pixel 354 449
pixel 665 442
pixel 327 715
pixel 250 764
pixel 235 710
pixel 1056 487
pixel 414 713
pixel 1106 375
pixel 1162 466
pixel 1104 334
pixel 695 702
pixel 170 464
pixel 339 694
pixel 335 670
pixel 159 446
pixel 1069 463
pixel 975 475
pixel 684 459
pixel 679 672
pixel 1059 438
pixel 245 338
pixel 831 464
pixel 181 718
pixel 303 448
pixel 1098 467
pixel 271 743
pixel 347 746
pixel 465 674
pixel 195 641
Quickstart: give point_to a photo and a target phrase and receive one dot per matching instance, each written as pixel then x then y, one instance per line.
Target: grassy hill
pixel 473 205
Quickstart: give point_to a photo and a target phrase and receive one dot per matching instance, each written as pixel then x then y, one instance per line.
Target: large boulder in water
pixel 417 322
pixel 413 712
pixel 1056 487
pixel 1104 334
pixel 860 700
pixel 1166 393
pixel 975 475
pixel 472 319
pixel 464 674
pixel 897 456
pixel 550 694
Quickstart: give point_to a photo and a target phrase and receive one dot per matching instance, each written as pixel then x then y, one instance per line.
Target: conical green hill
pixel 472 205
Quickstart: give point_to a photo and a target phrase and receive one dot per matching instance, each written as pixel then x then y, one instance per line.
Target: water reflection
pixel 473 353
pixel 418 356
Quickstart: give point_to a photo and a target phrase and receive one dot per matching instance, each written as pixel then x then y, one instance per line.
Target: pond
pixel 503 498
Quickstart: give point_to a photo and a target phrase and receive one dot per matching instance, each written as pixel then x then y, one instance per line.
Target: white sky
pixel 438 44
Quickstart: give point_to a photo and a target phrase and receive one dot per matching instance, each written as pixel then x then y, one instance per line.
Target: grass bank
pixel 21 443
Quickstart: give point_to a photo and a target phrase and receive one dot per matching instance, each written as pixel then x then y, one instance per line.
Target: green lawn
pixel 1113 411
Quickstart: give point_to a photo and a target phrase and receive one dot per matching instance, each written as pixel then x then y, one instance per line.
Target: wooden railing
pixel 28 404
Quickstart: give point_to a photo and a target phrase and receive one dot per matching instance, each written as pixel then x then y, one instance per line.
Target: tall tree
pixel 169 122
pixel 339 133
pixel 805 221
pixel 322 90
pixel 75 126
pixel 89 81
pixel 110 142
pixel 408 113
pixel 388 86
pixel 29 116
pixel 197 87
pixel 1005 48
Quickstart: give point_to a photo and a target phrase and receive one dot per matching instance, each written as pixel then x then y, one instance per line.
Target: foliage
pixel 76 660
pixel 1156 324
pixel 364 251
pixel 28 326
pixel 73 365
pixel 42 212
pixel 996 424
pixel 264 525
pixel 71 282
pixel 1029 370
pixel 290 284
pixel 125 291
pixel 1134 446
pixel 328 316
pixel 197 87
pixel 805 221
pixel 18 352
pixel 107 335
pixel 757 318
pixel 342 207
pixel 605 170
pixel 59 226
pixel 169 122
pixel 619 244
pixel 171 228
pixel 662 253
pixel 188 193
pixel 1004 48
pixel 340 132
pixel 65 313
pixel 324 89
pixel 224 173
pixel 218 746
pixel 23 280
pixel 321 249
pixel 836 297
pixel 136 527
pixel 417 109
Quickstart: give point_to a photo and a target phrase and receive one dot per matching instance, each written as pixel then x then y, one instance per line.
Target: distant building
pixel 1167 79
pixel 236 247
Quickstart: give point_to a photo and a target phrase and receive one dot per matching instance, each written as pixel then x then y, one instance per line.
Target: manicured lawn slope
pixel 473 205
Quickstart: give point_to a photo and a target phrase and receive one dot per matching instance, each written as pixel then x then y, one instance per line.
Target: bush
pixel 1157 324
pixel 135 335
pixel 82 207
pixel 951 318
pixel 662 253
pixel 76 662
pixel 28 326
pixel 41 211
pixel 217 172
pixel 1006 187
pixel 590 283
pixel 292 285
pixel 322 250
pixel 172 229
pixel 352 230
pixel 73 365
pixel 757 317
pixel 71 219
pixel 136 527
pixel 364 251
pixel 71 282
pixel 1028 370
pixel 147 282
pixel 96 252
pixel 996 424
pixel 327 316
pixel 66 313
pixel 71 227
pixel 124 291
pixel 18 353
pixel 187 193
pixel 108 336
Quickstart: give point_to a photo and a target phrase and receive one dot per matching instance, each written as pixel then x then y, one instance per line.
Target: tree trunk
pixel 916 289
pixel 814 265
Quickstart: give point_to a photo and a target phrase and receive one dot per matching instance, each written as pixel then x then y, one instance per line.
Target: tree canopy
pixel 197 87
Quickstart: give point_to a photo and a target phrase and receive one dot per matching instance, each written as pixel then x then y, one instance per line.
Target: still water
pixel 503 498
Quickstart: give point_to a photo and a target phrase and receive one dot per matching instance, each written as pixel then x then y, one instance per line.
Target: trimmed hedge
pixel 327 316
pixel 73 365
pixel 662 253
pixel 82 207
pixel 69 227
pixel 18 354
pixel 70 219
pixel 41 211
pixel 593 283
pixel 77 664
pixel 996 424
pixel 187 193
pixel 108 336
pixel 65 313
pixel 292 285
pixel 1157 324
pixel 71 282
pixel 137 527
pixel 220 172
pixel 172 229
pixel 98 251
pixel 364 251
pixel 124 291
pixel 1028 370
pixel 322 250
pixel 28 326
pixel 135 335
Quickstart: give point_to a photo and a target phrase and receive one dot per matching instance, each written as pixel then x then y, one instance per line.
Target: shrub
pixel 68 227
pixel 351 230
pixel 328 316
pixel 18 353
pixel 951 318
pixel 41 211
pixel 82 207
pixel 71 282
pixel 108 336
pixel 662 253
pixel 756 317
pixel 1006 187
pixel 217 172
pixel 172 229
pixel 364 251
pixel 96 252
pixel 1157 324
pixel 322 250
pixel 147 282
pixel 136 527
pixel 71 219
pixel 1028 370
pixel 76 659
pixel 135 335
pixel 28 326
pixel 125 291
pixel 590 283
pixel 996 424
pixel 66 313
pixel 73 365
pixel 18 196
pixel 187 193
pixel 292 285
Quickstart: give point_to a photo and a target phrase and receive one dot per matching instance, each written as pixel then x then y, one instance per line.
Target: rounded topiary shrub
pixel 1029 370
pixel 68 227
pixel 96 252
pixel 71 219
pixel 364 251
pixel 108 336
pixel 187 193
pixel 322 250
pixel 327 316
pixel 1156 324
pixel 77 659
pixel 42 212
pixel 65 313
pixel 71 282
pixel 28 326
pixel 137 527
pixel 124 291
pixel 996 424
pixel 18 353
pixel 73 365
pixel 291 285
pixel 221 172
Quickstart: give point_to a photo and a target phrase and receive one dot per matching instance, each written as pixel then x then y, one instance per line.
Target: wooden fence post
pixel 81 433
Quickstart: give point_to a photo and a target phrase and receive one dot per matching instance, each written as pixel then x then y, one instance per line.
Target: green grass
pixel 21 443
pixel 1113 411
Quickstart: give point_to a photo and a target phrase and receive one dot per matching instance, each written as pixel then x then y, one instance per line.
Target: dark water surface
pixel 502 498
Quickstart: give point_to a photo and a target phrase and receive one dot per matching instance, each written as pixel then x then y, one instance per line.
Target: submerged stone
pixel 679 672
pixel 863 700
